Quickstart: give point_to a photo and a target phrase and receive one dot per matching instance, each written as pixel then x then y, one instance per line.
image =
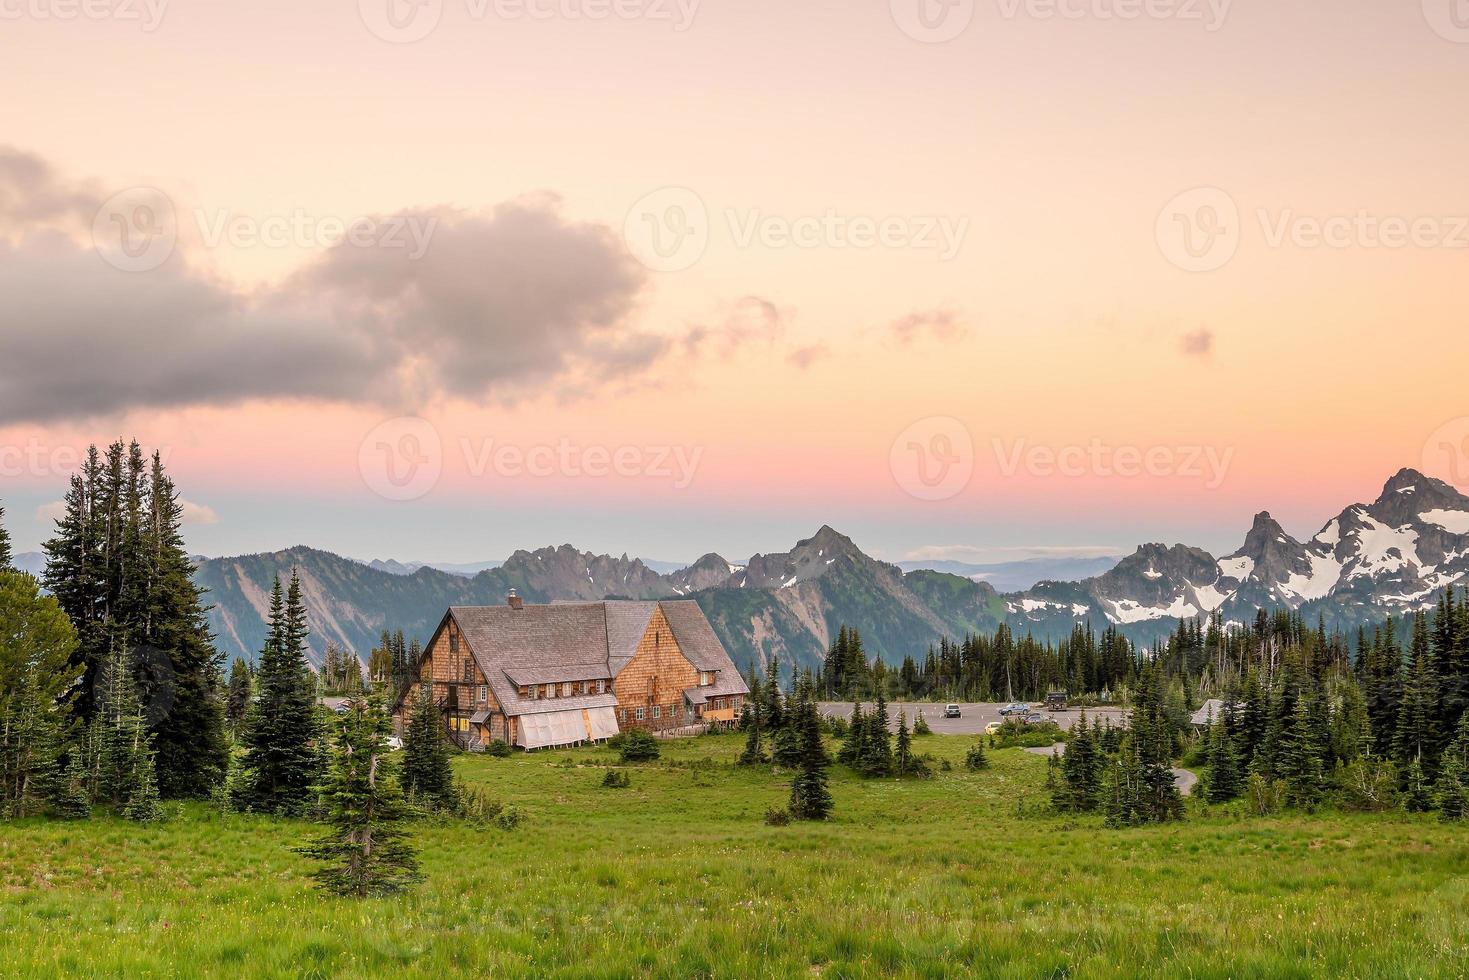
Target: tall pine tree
pixel 283 733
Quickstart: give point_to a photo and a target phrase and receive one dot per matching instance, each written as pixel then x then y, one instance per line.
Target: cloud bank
pixel 502 305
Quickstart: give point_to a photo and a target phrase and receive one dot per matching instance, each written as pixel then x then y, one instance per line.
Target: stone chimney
pixel 514 601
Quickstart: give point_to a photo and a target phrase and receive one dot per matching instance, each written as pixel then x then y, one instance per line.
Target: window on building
pixel 657 711
pixel 484 693
pixel 453 642
pixel 706 678
pixel 527 693
pixel 550 690
pixel 601 686
pixel 642 713
pixel 566 689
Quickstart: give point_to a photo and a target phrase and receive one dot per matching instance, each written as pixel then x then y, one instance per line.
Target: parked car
pixel 1036 719
pixel 951 711
pixel 992 727
pixel 1014 709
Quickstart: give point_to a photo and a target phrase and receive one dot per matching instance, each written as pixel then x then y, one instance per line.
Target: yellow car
pixel 992 727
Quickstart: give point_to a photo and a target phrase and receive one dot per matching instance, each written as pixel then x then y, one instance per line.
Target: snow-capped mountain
pixel 1393 555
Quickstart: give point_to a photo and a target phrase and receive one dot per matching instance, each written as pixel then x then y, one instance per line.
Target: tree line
pixel 112 694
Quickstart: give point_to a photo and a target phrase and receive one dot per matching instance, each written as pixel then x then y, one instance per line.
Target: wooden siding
pixel 654 681
pixel 456 679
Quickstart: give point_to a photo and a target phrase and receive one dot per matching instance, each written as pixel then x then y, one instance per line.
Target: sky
pixel 972 279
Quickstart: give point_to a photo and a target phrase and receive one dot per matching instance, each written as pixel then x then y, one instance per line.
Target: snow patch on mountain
pixel 1453 521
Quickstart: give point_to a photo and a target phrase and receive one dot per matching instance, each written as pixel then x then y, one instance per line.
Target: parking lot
pixel 972 717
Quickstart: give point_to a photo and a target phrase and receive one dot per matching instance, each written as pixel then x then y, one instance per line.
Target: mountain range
pixel 1391 556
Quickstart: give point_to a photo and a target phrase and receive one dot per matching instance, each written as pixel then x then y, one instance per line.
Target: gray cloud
pixel 1200 343
pixel 501 304
pixel 935 324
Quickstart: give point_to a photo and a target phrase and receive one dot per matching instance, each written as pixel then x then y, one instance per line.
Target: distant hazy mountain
pixel 1391 556
pixel 33 562
pixel 470 569
pixel 782 607
pixel 1016 576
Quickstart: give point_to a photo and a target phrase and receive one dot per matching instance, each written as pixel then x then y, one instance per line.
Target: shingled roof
pixel 572 641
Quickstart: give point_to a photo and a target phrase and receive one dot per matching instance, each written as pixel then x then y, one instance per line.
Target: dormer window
pixel 706 678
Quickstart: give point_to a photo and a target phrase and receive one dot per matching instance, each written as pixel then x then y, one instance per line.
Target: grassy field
pixel 680 877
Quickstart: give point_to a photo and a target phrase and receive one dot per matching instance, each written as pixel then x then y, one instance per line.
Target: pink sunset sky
pixel 1009 278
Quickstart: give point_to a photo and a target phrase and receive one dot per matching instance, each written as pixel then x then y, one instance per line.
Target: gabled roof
pixel 573 641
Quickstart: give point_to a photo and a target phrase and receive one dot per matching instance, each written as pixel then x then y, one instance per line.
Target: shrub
pixel 836 727
pixel 1264 796
pixel 1014 734
pixel 975 759
pixel 777 817
pixel 509 817
pixel 637 746
pixel 920 725
pixel 1369 784
pixel 616 779
pixel 499 748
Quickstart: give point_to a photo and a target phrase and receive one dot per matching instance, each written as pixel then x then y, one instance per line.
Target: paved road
pixel 972 718
pixel 1182 778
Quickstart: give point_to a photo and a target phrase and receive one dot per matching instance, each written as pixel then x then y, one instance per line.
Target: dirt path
pixel 1182 778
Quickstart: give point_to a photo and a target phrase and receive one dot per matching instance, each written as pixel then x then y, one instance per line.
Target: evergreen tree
pixel 5 554
pixel 1415 738
pixel 117 566
pixel 877 750
pixel 36 646
pixel 785 741
pixel 366 848
pixel 1301 764
pixel 810 798
pixel 427 775
pixel 975 759
pixel 283 733
pixel 124 749
pixel 1417 792
pixel 241 690
pixel 142 804
pixel 1453 779
pixel 904 752
pixel 72 801
pixel 854 746
pixel 1081 771
pixel 754 754
pixel 1225 780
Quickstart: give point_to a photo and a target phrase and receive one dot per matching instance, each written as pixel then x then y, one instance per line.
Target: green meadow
pixel 679 876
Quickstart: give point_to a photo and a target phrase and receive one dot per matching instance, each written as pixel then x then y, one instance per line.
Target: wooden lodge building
pixel 543 675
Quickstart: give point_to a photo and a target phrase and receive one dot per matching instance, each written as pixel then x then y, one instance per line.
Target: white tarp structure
pixel 549 728
pixel 604 722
